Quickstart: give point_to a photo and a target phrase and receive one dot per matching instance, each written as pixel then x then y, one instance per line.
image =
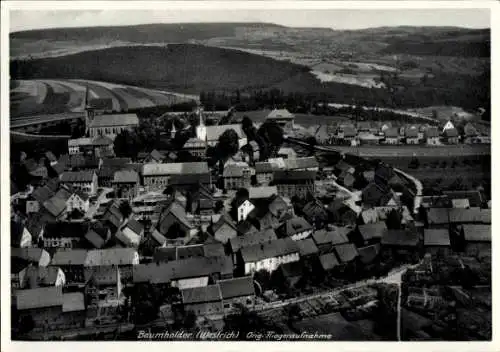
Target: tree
pixel 228 144
pixel 248 127
pixel 263 278
pixel 125 208
pixel 219 205
pixel 125 145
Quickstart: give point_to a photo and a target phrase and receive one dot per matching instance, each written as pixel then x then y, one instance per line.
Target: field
pixel 50 96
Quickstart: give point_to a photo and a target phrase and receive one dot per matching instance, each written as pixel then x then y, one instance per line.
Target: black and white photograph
pixel 247 173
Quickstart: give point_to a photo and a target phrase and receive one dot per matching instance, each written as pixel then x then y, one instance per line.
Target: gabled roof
pixel 135 226
pixel 213 250
pixel 328 261
pixel 190 179
pixel 214 132
pixel 391 133
pixel 368 254
pixel 111 256
pixel 156 155
pixel 237 287
pixel 31 254
pixel 165 254
pixel 101 141
pixel 190 251
pixel 329 237
pixel 400 238
pixel 346 252
pixel 301 163
pixel 475 198
pixel 438 216
pixel 411 132
pixel 175 168
pixel 55 206
pixel 95 239
pixel 224 219
pixel 42 194
pixel 39 276
pixel 262 192
pixel 451 132
pixel 196 295
pixel 77 176
pixel 436 237
pixel 73 302
pixel 233 171
pixel 246 227
pixel 372 231
pixel 69 257
pixel 158 237
pixel 252 239
pixel 50 156
pixel 66 229
pixel 479 233
pixel 41 297
pixel 287 177
pixel 295 225
pixel 431 132
pixel 458 215
pixel 271 249
pixel 280 114
pixel 307 247
pixel 114 120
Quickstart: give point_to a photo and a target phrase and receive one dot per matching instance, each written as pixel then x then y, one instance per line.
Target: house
pixel 71 261
pixel 224 229
pixel 477 239
pixel 105 176
pixel 251 239
pixel 131 234
pixel 342 166
pixel 411 136
pixel 287 153
pixel 328 261
pixel 342 212
pixel 470 133
pixel 475 198
pixel 64 234
pixel 79 162
pixel 157 176
pixel 346 179
pixel 368 254
pixel 282 117
pixel 237 291
pixel 346 252
pixel 401 242
pixel 155 157
pixel 49 309
pixel 268 256
pixel 85 181
pixel 203 301
pixel 437 241
pixel 196 147
pixel 103 146
pixel 347 133
pixel 79 145
pixel 261 217
pixel 291 273
pixel 264 172
pixel 432 136
pixel 463 216
pixel 264 192
pixel 246 227
pixel 20 237
pixel 112 125
pixel 173 222
pixel 250 152
pixel 36 169
pixel 391 136
pixel 99 260
pixel 157 239
pixel 460 203
pixel 315 213
pixel 214 132
pixel 296 228
pixel 295 183
pixel 243 207
pixel 280 207
pixel 34 277
pixel 31 255
pixel 237 176
pixel 55 207
pixel 306 163
pixel 370 233
pixel 193 182
pixel 200 200
pixel 437 217
pixel 126 183
pixel 97 236
pixel 307 248
pixel 325 240
pixel 450 136
pixel 375 194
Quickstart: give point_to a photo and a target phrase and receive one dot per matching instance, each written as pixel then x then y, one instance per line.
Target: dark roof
pixel 55 206
pixel 271 249
pixel 106 172
pixel 400 238
pixel 343 166
pixel 252 239
pixel 165 254
pixel 95 239
pixel 31 254
pixel 438 216
pixel 479 233
pixel 66 229
pixel 210 293
pixel 475 198
pixel 101 103
pixel 50 156
pixel 40 276
pixel 246 227
pixel 156 155
pixel 69 257
pixel 264 167
pixel 436 237
pixel 101 141
pixel 307 247
pixel 41 194
pixel 190 179
pixel 450 132
pixel 35 224
pixel 391 133
pixel 224 219
pixel 292 269
pixel 113 120
pixel 295 225
pixel 135 226
pixel 287 177
pixel 301 163
pixel 16 233
pixel 411 133
pixel 369 253
pixel 184 252
pixel 126 176
pixel 77 176
pixel 328 261
pixel 371 231
pixel 329 237
pixel 213 250
pixel 237 287
pixel 115 162
pixel 458 215
pixel 41 297
pixel 346 252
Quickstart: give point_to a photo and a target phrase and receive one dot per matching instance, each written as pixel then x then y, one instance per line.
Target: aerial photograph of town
pixel 250 175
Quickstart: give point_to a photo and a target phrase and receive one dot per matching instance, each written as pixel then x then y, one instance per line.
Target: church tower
pixel 201 130
pixel 173 131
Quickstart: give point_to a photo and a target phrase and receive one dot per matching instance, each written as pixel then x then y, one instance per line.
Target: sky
pixel 333 18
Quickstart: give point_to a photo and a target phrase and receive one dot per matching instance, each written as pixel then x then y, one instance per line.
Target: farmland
pixel 51 96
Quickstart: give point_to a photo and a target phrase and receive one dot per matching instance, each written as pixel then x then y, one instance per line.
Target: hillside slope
pixel 179 67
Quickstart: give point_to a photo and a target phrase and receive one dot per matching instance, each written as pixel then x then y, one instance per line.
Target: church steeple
pixel 89 111
pixel 201 130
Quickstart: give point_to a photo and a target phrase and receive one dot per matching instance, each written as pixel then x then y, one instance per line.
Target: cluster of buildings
pixel 365 133
pixel 93 224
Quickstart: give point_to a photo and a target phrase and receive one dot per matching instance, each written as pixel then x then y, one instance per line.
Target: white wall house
pixel 270 264
pixel 76 201
pixel 244 209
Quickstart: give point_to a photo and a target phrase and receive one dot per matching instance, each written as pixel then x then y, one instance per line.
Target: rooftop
pixel 210 293
pixel 77 176
pixel 114 120
pixel 214 132
pixel 436 237
pixel 237 287
pixel 278 114
pixel 271 249
pixel 175 168
pixel 346 252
